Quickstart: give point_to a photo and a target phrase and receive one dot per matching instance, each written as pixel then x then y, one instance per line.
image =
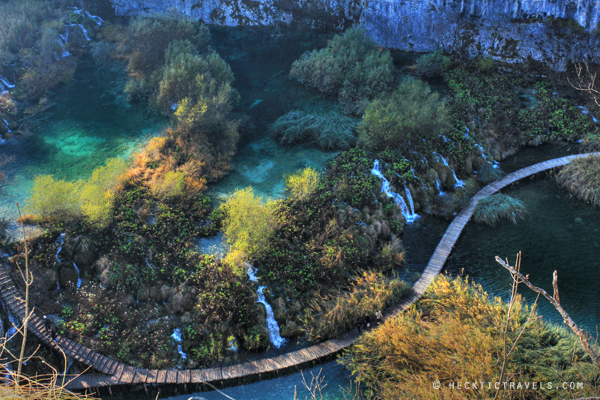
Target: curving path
pixel 116 373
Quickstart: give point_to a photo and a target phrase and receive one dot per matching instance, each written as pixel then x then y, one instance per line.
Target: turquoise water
pixel 559 233
pixel 89 123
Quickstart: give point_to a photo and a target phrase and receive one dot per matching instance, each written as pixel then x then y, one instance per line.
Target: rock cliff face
pixel 552 31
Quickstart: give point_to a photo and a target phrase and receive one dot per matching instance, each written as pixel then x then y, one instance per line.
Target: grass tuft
pixel 327 131
pixel 582 178
pixel 499 206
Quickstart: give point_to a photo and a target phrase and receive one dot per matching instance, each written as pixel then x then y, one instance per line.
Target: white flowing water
pixel 85 32
pixel 177 337
pixel 94 18
pixel 438 184
pixel 59 242
pixel 5 84
pixel 233 347
pixel 459 183
pixel 78 275
pixel 409 214
pixel 6 123
pixel 272 326
pixel 410 201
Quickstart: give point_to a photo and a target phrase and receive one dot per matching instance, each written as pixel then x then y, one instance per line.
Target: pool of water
pixel 559 233
pixel 260 59
pixel 89 123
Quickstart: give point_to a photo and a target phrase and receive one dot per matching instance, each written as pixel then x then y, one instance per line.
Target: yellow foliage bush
pixel 170 185
pixel 53 199
pixel 303 183
pixel 96 193
pixel 454 334
pixel 336 314
pixel 248 226
pixel 66 201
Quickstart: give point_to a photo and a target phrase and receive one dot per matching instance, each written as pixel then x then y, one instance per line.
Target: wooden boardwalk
pixel 112 373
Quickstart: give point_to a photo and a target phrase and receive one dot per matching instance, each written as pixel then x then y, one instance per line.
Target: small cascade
pixel 438 184
pixel 177 337
pixel 5 84
pixel 233 347
pixel 272 326
pixel 59 242
pixel 78 275
pixel 6 123
pixel 85 32
pixel 399 200
pixel 459 183
pixel 410 201
pixel 94 18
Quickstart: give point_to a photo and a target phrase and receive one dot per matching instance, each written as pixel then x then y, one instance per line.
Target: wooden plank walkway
pixel 113 373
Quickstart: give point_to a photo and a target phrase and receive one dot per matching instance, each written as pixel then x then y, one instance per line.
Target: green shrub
pixel 327 131
pixel 351 66
pixel 411 112
pixel 582 178
pixel 491 209
pixel 483 63
pixel 248 227
pixel 432 64
pixel 488 174
pixel 302 184
pixel 336 314
pixel 150 37
pixel 454 334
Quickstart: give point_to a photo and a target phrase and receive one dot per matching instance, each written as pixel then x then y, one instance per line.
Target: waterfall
pixel 410 201
pixel 232 345
pixel 5 84
pixel 78 275
pixel 409 215
pixel 459 183
pixel 85 32
pixel 177 337
pixel 272 326
pixel 438 184
pixel 94 18
pixel 59 242
pixel 6 123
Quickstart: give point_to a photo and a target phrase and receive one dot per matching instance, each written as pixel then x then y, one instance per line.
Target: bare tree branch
pixel 586 81
pixel 555 301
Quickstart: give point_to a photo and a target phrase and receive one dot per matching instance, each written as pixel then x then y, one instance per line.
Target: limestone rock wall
pixel 552 31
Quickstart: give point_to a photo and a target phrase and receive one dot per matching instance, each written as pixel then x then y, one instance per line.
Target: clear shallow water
pixel 559 233
pixel 336 379
pixel 90 122
pixel 260 59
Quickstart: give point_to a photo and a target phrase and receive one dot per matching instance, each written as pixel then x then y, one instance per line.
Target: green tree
pixel 248 226
pixel 171 185
pixel 411 112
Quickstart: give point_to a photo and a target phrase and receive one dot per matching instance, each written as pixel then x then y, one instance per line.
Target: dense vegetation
pixel 499 206
pixel 327 250
pixel 454 334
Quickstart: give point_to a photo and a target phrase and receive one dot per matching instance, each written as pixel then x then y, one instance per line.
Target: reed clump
pixel 327 131
pixel 334 314
pixel 582 178
pixel 454 334
pixel 490 210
